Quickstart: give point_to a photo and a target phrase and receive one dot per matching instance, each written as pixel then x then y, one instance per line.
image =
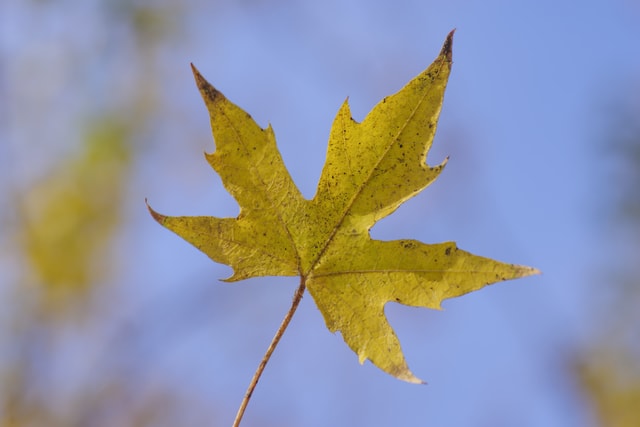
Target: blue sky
pixel 523 113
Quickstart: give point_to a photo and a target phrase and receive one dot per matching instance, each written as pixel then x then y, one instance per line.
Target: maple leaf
pixel 371 169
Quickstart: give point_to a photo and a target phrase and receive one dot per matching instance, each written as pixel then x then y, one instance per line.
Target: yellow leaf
pixel 371 169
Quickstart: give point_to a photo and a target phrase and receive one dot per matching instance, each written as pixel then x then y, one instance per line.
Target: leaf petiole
pixel 297 297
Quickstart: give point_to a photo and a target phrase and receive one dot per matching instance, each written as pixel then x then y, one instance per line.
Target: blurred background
pixel 106 319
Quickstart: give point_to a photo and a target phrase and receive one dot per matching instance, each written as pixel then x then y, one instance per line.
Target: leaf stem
pixel 297 297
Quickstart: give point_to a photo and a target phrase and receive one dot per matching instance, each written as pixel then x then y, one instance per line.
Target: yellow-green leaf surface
pixel 371 169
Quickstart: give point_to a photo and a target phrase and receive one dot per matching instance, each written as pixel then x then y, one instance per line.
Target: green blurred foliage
pixel 64 215
pixel 68 218
pixel 610 375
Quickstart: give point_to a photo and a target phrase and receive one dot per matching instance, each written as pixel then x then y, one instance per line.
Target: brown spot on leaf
pixel 447 47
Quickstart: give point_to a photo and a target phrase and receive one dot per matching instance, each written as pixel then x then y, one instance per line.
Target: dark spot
pixel 447 251
pixel 408 244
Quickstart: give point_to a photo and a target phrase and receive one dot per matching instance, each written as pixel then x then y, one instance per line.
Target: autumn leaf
pixel 371 169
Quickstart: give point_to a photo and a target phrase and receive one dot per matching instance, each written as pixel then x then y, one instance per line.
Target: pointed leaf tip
pixel 410 378
pixel 447 47
pixel 208 92
pixel 530 271
pixel 158 217
pixel 196 73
